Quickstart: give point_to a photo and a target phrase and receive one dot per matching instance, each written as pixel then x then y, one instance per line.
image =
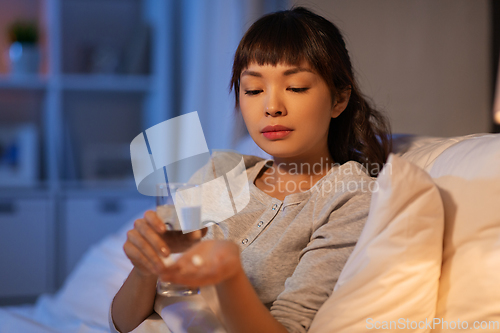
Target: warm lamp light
pixel 496 103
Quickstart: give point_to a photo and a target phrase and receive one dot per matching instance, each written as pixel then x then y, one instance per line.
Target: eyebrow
pixel 288 72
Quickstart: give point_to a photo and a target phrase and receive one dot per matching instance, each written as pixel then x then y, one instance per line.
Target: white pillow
pixel 468 177
pixel 393 273
pixel 423 151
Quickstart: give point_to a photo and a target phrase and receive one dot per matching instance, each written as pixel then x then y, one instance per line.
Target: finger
pixel 154 239
pixel 138 259
pixel 181 277
pixel 194 235
pixel 171 273
pixel 204 232
pixel 145 248
pixel 154 221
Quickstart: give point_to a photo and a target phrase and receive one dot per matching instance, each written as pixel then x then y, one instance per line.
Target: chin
pixel 278 150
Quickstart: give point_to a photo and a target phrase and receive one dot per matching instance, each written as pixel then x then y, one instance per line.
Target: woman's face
pixel 294 97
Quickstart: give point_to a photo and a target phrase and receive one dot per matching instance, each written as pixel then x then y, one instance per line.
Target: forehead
pixel 256 70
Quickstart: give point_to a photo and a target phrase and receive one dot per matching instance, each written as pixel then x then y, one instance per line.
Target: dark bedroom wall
pixel 427 63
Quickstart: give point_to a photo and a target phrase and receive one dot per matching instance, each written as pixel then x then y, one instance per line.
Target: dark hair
pixel 360 133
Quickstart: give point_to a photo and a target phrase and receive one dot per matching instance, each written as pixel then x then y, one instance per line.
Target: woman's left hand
pixel 208 262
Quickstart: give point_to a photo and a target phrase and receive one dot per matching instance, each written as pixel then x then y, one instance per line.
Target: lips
pixel 276 131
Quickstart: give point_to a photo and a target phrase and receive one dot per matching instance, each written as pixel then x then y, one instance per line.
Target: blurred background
pixel 79 79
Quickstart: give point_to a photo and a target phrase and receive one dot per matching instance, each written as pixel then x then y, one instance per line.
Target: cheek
pixel 325 106
pixel 315 111
pixel 248 112
pixel 315 121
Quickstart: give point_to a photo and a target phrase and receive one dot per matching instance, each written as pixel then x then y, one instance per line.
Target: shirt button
pixel 260 224
pixel 275 206
pixel 244 241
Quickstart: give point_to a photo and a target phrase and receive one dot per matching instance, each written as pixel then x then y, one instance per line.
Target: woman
pixel 276 262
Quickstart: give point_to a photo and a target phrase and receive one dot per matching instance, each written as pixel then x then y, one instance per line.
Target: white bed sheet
pixel 81 305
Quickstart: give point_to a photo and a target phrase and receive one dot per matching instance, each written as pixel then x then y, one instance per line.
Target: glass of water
pixel 178 205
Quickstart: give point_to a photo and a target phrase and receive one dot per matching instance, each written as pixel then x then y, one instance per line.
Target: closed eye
pixel 298 90
pixel 252 92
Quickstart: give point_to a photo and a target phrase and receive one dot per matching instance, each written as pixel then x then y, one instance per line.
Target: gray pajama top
pixel 293 251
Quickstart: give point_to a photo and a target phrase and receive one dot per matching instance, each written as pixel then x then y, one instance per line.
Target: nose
pixel 273 113
pixel 274 106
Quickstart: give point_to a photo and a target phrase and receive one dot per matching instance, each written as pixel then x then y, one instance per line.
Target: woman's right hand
pixel 149 241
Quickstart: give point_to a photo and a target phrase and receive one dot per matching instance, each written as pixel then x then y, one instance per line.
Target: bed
pixel 82 304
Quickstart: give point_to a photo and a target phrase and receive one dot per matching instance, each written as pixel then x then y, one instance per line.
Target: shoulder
pixel 347 190
pixel 354 170
pixel 350 178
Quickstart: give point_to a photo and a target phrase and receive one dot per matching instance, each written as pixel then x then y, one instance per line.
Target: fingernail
pixel 164 251
pixel 163 228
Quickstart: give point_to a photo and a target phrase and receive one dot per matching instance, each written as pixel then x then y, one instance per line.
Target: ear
pixel 341 103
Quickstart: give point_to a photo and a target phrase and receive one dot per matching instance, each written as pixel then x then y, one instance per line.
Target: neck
pixel 315 162
pixel 297 174
pixel 318 165
pixel 288 175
